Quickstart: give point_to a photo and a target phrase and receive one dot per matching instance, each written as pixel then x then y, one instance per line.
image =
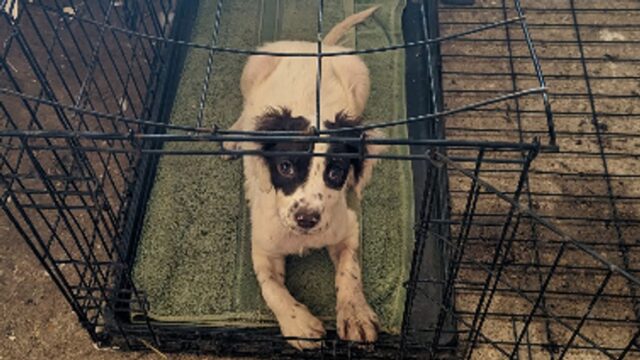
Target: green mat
pixel 193 261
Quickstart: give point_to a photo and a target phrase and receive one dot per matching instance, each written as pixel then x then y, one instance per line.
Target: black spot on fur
pixel 282 120
pixel 340 166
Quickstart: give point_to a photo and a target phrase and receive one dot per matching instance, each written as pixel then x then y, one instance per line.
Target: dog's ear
pixel 366 171
pixel 258 171
pixel 362 169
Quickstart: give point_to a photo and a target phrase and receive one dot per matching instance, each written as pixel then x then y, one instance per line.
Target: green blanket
pixel 193 260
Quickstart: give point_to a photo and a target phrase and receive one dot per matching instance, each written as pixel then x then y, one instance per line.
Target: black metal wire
pixel 381 125
pixel 73 154
pixel 320 18
pixel 150 37
pixel 624 252
pixel 209 68
pixel 566 240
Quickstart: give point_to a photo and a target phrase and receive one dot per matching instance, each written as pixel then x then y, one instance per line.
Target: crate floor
pixel 193 260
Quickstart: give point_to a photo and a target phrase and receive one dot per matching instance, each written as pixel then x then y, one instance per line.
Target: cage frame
pixel 431 151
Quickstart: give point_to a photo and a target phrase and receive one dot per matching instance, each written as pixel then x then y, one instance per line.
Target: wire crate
pixel 518 251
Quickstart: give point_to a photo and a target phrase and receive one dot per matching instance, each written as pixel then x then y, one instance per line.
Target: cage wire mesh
pixel 589 188
pixel 521 250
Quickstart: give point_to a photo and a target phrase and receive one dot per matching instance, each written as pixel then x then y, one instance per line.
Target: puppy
pixel 299 203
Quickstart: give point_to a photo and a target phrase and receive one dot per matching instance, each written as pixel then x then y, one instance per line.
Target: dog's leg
pixel 294 318
pixel 355 319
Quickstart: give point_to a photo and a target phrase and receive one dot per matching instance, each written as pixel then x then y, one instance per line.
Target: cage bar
pixel 521 136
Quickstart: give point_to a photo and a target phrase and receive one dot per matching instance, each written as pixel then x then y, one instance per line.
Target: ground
pixel 37 323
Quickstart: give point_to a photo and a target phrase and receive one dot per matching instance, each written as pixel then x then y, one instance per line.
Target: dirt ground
pixel 36 322
pixel 598 154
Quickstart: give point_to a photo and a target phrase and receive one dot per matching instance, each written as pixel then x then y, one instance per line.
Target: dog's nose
pixel 307 219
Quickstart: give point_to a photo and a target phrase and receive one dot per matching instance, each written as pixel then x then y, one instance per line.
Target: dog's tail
pixel 340 30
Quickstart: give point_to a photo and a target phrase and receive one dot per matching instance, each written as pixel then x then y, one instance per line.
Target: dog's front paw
pixel 356 321
pixel 300 323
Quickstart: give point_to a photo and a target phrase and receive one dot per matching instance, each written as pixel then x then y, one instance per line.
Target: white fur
pixel 271 82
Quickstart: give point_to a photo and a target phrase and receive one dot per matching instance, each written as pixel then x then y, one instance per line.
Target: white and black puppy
pixel 299 203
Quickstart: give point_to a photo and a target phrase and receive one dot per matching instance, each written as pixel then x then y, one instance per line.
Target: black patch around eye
pixel 342 121
pixel 281 120
pixel 288 184
pixel 336 172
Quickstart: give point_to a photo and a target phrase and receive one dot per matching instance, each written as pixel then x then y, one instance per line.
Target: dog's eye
pixel 336 173
pixel 285 168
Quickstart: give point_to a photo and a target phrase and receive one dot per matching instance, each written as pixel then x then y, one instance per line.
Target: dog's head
pixel 311 190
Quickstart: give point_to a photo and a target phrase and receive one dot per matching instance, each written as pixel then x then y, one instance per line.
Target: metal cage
pixel 519 251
